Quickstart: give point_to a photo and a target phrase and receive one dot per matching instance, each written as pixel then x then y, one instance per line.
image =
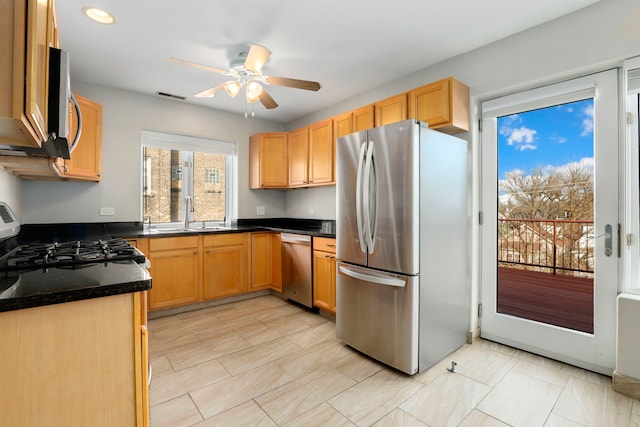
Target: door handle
pixel 608 239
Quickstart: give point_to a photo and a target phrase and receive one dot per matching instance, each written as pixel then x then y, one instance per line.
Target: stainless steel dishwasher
pixel 297 279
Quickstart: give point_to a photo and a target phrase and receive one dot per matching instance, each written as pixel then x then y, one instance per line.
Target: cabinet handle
pixel 208 251
pixel 195 252
pixel 331 246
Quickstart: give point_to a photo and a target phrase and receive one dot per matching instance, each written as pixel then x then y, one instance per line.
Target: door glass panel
pixel 545 250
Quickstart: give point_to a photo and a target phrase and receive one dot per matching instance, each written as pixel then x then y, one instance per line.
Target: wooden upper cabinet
pixel 86 158
pixel 26 33
pixel 321 153
pixel 444 105
pixel 391 110
pixel 299 157
pixel 363 118
pixel 343 124
pixel 268 164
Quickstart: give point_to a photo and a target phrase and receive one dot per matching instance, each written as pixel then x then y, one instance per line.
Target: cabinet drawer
pixel 165 243
pixel 227 239
pixel 324 244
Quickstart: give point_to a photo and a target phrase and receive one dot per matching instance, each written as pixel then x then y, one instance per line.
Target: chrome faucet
pixel 188 208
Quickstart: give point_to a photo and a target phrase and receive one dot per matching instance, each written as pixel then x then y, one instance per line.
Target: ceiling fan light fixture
pixel 254 90
pixel 232 88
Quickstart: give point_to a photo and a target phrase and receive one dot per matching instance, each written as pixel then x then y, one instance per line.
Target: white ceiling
pixel 349 46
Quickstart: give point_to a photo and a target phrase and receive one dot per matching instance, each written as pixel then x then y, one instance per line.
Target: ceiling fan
pixel 246 71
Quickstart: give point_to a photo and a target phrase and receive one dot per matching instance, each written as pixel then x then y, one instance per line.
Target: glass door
pixel 550 234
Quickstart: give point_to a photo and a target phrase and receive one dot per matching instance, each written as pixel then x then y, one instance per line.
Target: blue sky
pixel 548 138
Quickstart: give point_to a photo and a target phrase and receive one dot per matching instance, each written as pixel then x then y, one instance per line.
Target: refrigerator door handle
pixel 368 168
pixel 387 281
pixel 359 195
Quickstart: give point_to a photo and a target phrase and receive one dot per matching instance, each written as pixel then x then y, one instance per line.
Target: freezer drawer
pixel 377 314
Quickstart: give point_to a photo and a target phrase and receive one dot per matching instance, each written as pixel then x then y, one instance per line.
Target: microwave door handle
pixel 79 130
pixel 359 195
pixel 387 281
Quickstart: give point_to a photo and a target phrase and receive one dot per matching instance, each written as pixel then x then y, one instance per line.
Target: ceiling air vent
pixel 170 95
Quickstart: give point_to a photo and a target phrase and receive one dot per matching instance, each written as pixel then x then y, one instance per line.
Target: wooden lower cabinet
pixel 324 273
pixel 77 363
pixel 225 265
pixel 175 271
pixel 266 261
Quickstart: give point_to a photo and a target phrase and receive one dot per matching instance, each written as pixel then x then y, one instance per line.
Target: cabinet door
pixel 321 149
pixel 276 262
pixel 261 261
pixel 86 159
pixel 391 110
pixel 324 280
pixel 444 105
pixel 299 157
pixel 175 277
pixel 39 34
pixel 342 124
pixel 363 118
pixel 268 164
pixel 224 265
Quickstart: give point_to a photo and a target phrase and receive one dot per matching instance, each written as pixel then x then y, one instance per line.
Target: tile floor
pixel 266 362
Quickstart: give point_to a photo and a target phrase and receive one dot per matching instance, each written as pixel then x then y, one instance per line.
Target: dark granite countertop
pixel 33 288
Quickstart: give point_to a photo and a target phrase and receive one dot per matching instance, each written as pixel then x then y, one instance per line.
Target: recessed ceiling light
pixel 98 15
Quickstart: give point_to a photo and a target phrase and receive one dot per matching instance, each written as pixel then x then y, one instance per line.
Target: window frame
pixel 188 145
pixel 631 252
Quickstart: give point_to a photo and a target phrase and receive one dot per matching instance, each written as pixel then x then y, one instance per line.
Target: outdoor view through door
pixel 545 242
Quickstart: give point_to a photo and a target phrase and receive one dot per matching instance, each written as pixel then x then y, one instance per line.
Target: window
pixel 212 176
pixel 176 167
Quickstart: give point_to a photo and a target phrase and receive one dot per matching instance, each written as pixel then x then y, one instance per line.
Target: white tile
pixel 247 414
pixel 320 416
pixel 399 418
pixel 259 355
pixel 446 401
pixel 226 394
pixel 178 412
pixel 588 403
pixel 376 396
pixel 521 400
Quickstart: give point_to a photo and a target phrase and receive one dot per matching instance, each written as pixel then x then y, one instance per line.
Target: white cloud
pixel 587 163
pixel 522 138
pixel 558 139
pixel 587 122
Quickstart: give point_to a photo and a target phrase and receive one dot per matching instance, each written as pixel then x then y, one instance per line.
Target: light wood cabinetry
pixel 175 271
pixel 324 273
pixel 391 110
pixel 225 265
pixel 86 160
pixel 268 163
pixel 363 118
pixel 77 363
pixel 321 153
pixel 342 124
pixel 266 261
pixel 444 105
pixel 298 148
pixel 26 33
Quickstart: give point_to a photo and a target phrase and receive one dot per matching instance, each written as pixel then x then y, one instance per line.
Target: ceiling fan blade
pixel 267 100
pixel 211 92
pixel 257 57
pixel 195 64
pixel 295 83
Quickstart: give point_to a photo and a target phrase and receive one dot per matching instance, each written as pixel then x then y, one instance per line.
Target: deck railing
pixel 557 246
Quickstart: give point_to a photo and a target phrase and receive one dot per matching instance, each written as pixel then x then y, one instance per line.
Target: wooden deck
pixel 559 300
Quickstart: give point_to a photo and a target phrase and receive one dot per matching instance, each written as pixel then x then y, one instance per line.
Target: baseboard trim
pixel 473 335
pixel 626 385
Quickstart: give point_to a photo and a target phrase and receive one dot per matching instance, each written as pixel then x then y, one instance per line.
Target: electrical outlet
pixel 107 211
pixel 260 210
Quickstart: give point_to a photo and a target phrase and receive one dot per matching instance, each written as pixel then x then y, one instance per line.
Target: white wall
pixel 10 193
pixel 125 115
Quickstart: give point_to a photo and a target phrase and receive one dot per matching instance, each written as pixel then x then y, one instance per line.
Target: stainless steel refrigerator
pixel 402 289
